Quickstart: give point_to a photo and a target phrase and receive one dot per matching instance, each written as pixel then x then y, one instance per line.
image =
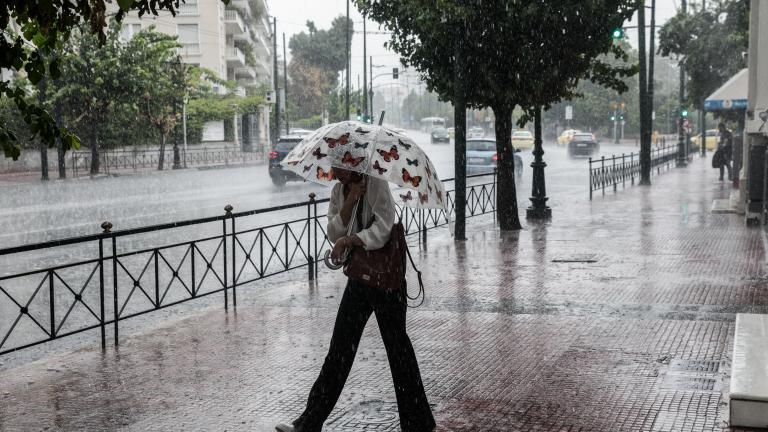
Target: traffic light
pixel 394 73
pixel 617 33
pixel 684 112
pixel 613 118
pixel 359 115
pixel 621 116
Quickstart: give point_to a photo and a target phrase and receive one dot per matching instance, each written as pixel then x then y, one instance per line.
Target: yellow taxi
pixel 522 139
pixel 712 136
pixel 566 136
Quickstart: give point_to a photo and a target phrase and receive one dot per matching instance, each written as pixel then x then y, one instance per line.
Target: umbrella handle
pixel 330 264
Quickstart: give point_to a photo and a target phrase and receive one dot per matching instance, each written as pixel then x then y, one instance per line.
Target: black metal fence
pixel 149 159
pixel 94 282
pixel 618 170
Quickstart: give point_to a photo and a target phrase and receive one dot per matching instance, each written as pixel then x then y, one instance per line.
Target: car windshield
pixel 582 137
pixel 439 130
pixel 481 145
pixel 287 144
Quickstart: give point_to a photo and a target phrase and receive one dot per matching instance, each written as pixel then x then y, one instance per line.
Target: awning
pixel 730 96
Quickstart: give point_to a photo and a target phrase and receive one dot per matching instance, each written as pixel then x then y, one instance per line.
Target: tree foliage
pixel 317 57
pixel 709 45
pixel 530 54
pixel 31 32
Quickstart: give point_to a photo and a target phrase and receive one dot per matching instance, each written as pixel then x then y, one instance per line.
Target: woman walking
pixel 371 228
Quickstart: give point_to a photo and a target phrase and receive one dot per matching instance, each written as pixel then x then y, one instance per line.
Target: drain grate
pixel 372 415
pixel 687 382
pixel 699 366
pixel 576 258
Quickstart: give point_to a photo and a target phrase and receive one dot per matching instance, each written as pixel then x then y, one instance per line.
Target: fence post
pixel 423 226
pixel 234 261
pixel 602 172
pixel 613 172
pixel 632 164
pixel 623 172
pixel 228 210
pixel 157 279
pixel 116 311
pixel 192 264
pixel 51 304
pixel 317 254
pixel 495 187
pixel 590 178
pixel 106 227
pixel 310 257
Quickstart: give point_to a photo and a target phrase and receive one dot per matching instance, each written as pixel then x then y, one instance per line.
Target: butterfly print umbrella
pixel 373 150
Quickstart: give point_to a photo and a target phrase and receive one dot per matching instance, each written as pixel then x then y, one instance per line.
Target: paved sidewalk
pixel 616 316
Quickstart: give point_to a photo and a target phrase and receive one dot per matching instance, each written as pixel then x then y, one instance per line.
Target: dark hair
pixel 721 125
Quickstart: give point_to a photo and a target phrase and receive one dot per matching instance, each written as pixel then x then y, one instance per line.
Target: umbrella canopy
pixel 372 150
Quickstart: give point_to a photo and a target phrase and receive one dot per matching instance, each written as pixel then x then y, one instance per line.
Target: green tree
pixel 708 45
pixel 31 32
pixel 317 57
pixel 531 55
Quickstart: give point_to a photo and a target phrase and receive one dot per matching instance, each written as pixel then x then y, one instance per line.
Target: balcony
pixel 189 49
pixel 262 44
pixel 245 72
pixel 234 22
pixel 235 57
pixel 243 5
pixel 186 9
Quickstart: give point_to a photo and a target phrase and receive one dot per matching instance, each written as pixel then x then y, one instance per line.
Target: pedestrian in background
pixel 722 157
pixel 358 302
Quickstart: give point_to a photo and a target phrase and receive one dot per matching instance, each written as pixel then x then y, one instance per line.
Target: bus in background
pixel 429 123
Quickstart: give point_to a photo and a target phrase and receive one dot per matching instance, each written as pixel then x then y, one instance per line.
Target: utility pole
pixel 645 147
pixel 285 84
pixel 365 78
pixel 346 98
pixel 682 158
pixel 651 55
pixel 276 133
pixel 460 137
pixel 703 120
pixel 370 78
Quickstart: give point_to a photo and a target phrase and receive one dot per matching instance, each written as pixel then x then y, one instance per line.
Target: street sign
pixel 653 115
pixel 568 112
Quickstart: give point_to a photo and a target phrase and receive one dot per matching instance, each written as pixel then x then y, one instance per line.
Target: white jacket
pixel 377 202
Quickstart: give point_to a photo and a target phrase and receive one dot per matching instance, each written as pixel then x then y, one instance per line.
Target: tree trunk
pixel 95 155
pixel 506 194
pixel 176 155
pixel 161 156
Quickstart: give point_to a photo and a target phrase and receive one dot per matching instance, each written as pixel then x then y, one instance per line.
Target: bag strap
pixel 421 293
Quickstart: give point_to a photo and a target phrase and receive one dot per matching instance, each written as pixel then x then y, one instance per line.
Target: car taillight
pixel 495 157
pixel 273 155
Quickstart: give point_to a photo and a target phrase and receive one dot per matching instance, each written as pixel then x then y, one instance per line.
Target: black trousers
pixel 357 304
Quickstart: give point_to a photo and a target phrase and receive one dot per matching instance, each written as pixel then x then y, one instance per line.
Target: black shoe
pixel 721 178
pixel 282 427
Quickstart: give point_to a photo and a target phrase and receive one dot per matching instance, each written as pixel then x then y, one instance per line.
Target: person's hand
pixel 356 190
pixel 338 249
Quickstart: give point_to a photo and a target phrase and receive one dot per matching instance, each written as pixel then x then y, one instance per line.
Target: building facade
pixel 231 40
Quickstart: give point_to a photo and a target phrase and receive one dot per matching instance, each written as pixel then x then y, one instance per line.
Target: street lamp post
pixel 538 209
pixel 184 127
pixel 681 156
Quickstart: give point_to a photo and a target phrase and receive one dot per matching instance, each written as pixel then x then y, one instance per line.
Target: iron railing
pixel 123 274
pixel 142 160
pixel 618 170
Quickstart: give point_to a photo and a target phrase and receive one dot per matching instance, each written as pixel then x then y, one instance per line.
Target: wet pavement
pixel 616 316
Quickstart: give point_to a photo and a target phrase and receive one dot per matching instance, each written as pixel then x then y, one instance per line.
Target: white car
pixel 475 132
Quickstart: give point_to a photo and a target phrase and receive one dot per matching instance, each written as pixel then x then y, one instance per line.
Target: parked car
pixel 475 132
pixel 712 137
pixel 522 139
pixel 440 134
pixel 566 136
pixel 284 146
pixel 482 157
pixel 299 132
pixel 583 144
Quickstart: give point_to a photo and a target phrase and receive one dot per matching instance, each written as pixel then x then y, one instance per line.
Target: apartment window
pixel 129 31
pixel 189 7
pixel 189 38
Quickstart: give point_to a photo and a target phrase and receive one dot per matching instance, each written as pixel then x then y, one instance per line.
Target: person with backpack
pixel 722 157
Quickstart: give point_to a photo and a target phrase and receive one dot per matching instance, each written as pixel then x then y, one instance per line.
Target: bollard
pixel 310 258
pixel 228 210
pixel 590 179
pixel 106 228
pixel 234 261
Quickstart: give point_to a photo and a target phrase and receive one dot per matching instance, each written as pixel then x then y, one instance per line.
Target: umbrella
pixel 376 151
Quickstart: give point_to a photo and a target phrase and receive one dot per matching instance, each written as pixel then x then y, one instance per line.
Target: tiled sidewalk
pixel 616 316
